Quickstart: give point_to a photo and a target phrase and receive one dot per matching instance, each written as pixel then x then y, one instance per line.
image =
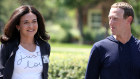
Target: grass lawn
pixel 70 48
pixel 65 51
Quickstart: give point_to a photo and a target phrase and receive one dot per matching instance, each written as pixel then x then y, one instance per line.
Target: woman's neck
pixel 28 44
pixel 27 41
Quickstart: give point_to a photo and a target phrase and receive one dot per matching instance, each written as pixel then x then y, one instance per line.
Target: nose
pixel 110 22
pixel 30 25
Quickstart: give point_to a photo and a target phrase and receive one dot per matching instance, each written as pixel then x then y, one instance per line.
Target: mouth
pixel 30 30
pixel 112 27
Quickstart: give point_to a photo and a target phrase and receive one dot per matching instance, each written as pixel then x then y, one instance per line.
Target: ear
pixel 18 27
pixel 129 19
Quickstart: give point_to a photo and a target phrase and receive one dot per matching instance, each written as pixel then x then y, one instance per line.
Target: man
pixel 117 56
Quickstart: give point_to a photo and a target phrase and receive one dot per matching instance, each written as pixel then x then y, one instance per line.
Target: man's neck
pixel 123 38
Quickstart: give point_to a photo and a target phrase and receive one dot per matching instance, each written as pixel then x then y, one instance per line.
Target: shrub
pixel 67 66
pixel 63 33
pixel 75 35
pixel 94 34
pixel 57 33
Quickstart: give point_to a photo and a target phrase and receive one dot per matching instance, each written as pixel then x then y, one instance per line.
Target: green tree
pixel 6 9
pixel 38 4
pixel 80 5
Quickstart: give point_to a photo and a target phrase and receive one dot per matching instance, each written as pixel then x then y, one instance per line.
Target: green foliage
pixel 136 31
pixel 67 66
pixel 92 35
pixel 66 25
pixel 76 3
pixel 68 61
pixel 6 11
pixel 41 5
pixel 57 33
pixel 63 32
pixel 75 34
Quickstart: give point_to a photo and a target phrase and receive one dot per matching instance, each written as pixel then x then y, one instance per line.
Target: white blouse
pixel 27 65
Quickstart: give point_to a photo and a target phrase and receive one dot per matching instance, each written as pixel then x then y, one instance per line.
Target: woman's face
pixel 28 25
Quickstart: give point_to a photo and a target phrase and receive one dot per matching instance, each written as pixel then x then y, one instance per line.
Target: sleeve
pixel 49 49
pixel 48 52
pixel 93 67
pixel 1 60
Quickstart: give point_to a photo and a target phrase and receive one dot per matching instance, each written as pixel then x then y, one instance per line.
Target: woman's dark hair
pixel 10 30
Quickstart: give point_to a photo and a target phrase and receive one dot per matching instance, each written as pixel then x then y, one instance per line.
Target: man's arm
pixel 94 64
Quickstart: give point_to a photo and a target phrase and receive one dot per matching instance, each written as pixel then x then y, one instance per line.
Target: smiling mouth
pixel 30 30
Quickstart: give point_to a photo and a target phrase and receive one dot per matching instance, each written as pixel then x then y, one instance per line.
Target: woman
pixel 24 51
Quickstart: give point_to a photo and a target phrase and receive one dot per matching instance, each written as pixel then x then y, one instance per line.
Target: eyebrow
pixel 113 16
pixel 27 20
pixel 34 19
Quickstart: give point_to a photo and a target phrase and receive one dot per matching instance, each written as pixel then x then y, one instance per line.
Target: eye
pixel 34 21
pixel 115 18
pixel 25 22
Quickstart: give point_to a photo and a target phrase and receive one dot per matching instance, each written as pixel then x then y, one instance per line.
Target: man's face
pixel 116 21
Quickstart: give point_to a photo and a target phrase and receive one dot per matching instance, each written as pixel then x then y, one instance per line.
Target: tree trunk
pixel 105 11
pixel 79 21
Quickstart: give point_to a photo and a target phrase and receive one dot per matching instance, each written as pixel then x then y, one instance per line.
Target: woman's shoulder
pixel 10 42
pixel 8 46
pixel 44 45
pixel 43 42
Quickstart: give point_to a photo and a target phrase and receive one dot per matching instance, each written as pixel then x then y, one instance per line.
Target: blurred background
pixel 74 26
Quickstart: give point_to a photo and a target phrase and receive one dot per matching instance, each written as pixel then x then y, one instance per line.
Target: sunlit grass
pixel 70 45
pixel 70 48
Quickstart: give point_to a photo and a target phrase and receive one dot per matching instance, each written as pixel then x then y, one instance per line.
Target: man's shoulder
pixel 135 41
pixel 105 41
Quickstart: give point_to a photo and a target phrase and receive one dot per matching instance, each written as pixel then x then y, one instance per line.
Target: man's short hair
pixel 128 9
